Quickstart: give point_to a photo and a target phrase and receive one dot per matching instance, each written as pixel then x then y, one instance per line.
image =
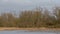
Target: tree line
pixel 32 18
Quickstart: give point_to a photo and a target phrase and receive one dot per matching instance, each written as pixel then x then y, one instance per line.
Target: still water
pixel 29 32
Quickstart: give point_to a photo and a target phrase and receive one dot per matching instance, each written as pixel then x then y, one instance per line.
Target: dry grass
pixel 28 29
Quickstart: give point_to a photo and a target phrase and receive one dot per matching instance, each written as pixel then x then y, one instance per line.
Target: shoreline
pixel 29 29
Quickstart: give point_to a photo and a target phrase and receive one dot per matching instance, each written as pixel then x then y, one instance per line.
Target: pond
pixel 29 32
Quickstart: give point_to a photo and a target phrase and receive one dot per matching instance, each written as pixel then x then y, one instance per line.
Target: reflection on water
pixel 29 32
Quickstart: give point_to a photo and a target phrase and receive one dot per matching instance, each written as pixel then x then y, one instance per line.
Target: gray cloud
pixel 6 5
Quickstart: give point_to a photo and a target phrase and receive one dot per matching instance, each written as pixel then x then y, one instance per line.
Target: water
pixel 28 32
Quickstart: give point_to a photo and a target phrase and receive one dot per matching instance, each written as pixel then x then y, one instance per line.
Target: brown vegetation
pixel 31 19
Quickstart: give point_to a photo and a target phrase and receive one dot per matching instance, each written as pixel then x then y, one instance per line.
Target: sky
pixel 17 5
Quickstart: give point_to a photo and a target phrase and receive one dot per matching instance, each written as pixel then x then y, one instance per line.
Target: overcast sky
pixel 11 5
